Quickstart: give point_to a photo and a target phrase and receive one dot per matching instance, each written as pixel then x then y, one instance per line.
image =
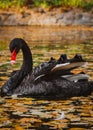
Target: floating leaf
pixel 19 128
pixel 29 120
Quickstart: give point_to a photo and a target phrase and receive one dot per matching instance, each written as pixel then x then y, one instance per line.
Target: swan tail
pixel 86 88
pixel 91 85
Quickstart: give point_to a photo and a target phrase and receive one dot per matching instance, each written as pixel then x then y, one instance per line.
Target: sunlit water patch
pixel 28 113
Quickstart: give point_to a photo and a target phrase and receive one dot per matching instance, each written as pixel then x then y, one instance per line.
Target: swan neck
pixel 27 59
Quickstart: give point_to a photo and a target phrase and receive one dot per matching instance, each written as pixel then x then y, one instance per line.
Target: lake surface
pixel 45 42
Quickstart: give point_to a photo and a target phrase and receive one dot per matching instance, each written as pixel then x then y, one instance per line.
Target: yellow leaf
pixel 19 128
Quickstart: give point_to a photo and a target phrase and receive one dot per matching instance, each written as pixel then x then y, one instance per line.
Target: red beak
pixel 13 56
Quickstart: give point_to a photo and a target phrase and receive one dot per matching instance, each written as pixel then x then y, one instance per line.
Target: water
pixel 45 42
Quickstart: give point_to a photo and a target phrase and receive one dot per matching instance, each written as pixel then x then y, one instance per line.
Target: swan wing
pixel 76 77
pixel 68 66
pixel 65 64
pixel 59 67
pixel 43 69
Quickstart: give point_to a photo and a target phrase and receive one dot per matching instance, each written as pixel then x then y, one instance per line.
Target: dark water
pixel 30 114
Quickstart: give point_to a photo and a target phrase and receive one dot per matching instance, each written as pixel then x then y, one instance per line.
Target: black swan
pixel 52 79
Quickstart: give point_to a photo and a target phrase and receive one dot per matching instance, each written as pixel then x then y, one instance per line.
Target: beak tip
pixel 12 62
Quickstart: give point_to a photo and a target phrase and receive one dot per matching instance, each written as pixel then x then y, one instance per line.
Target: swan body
pixel 52 79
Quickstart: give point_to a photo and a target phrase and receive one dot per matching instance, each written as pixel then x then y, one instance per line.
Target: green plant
pixel 42 3
pixel 55 2
pixel 4 4
pixel 19 3
pixel 86 4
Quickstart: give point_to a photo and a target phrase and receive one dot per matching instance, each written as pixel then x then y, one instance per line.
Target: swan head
pixel 15 46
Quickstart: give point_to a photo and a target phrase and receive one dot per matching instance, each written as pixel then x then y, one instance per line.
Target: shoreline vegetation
pixel 82 4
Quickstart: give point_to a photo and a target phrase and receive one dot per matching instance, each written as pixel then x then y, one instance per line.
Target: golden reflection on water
pixel 27 113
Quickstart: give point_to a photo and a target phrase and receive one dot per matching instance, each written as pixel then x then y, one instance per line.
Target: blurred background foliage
pixel 85 4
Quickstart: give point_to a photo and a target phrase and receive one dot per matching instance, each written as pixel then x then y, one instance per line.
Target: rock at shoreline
pixel 46 18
